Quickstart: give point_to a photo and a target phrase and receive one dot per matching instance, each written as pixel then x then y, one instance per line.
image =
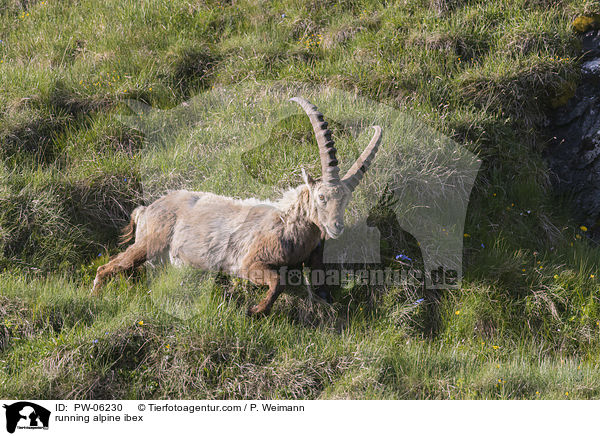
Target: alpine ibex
pixel 250 238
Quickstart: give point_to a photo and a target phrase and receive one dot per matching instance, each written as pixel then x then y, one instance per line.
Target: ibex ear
pixel 307 178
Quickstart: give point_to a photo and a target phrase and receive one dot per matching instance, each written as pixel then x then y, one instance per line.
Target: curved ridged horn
pixel 360 167
pixel 329 163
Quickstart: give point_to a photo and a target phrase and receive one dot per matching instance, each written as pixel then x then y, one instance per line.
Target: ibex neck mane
pixel 295 206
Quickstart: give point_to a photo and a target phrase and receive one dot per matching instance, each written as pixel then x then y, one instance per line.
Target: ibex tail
pixel 129 230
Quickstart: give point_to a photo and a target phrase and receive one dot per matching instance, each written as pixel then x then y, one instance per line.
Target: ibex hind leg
pixel 260 274
pixel 134 256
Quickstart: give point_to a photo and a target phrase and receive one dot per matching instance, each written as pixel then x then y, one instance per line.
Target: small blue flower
pixel 403 257
pixel 106 333
pixel 95 341
pixel 125 179
pixel 482 246
pixel 282 15
pixel 419 301
pixel 99 254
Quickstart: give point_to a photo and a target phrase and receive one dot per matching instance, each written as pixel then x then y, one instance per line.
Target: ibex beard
pixel 248 238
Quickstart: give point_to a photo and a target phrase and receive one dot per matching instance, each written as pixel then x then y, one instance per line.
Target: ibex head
pixel 329 196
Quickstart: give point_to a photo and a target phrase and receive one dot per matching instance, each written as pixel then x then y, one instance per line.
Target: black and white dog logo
pixel 26 415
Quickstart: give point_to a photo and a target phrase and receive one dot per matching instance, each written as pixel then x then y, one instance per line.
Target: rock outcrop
pixel 574 149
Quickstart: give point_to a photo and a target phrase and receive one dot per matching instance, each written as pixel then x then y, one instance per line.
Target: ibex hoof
pixel 96 288
pixel 326 296
pixel 256 311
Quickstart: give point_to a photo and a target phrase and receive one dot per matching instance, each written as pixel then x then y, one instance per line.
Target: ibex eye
pixel 321 197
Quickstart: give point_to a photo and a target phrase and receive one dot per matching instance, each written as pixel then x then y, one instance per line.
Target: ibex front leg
pixel 261 274
pixel 319 270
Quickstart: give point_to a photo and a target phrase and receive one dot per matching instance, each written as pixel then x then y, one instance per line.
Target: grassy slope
pixel 525 324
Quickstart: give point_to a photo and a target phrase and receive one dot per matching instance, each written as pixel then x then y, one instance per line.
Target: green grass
pixel 525 323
